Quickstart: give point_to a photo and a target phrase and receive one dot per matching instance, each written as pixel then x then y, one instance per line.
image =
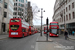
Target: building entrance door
pixel 3 27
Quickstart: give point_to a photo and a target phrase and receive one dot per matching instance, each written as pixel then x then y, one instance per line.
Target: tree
pixel 35 11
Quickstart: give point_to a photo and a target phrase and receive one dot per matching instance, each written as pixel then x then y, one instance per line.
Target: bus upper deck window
pixel 14 20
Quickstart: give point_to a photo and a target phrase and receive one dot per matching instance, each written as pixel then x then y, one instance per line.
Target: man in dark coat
pixel 66 35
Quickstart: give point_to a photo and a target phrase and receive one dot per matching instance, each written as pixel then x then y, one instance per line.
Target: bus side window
pixel 23 30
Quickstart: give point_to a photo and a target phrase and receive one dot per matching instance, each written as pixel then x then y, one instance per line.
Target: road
pixel 29 43
pixel 26 43
pixel 65 43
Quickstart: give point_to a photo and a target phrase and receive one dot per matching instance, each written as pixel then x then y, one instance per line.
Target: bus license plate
pixel 14 33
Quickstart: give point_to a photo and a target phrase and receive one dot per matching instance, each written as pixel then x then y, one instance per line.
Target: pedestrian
pixel 73 32
pixel 66 34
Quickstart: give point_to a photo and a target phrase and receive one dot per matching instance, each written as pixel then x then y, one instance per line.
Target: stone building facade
pixel 64 13
pixel 30 14
pixel 6 12
pixel 20 9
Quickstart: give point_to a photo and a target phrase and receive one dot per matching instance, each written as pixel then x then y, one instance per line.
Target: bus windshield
pixel 14 27
pixel 53 24
pixel 54 31
pixel 45 30
pixel 14 20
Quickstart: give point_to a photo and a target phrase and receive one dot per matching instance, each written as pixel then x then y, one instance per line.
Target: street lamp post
pixel 41 19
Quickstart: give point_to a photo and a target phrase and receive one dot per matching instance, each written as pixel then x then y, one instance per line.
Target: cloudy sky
pixel 48 6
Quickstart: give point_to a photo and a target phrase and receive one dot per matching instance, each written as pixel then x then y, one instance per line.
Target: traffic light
pixel 47 21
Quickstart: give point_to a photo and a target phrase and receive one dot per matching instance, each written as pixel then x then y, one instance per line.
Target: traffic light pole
pixel 47 28
pixel 41 21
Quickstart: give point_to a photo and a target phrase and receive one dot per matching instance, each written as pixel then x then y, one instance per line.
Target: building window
pixel 69 7
pixel 4 27
pixel 16 0
pixel 5 5
pixel 62 18
pixel 22 1
pixel 19 0
pixel 19 13
pixel 0 10
pixel 15 13
pixel 26 1
pixel 66 17
pixel 69 16
pixel 22 5
pixel 19 4
pixel 19 9
pixel 5 14
pixel 15 8
pixel 73 5
pixel 73 14
pixel 1 1
pixel 66 9
pixel 66 1
pixel 15 4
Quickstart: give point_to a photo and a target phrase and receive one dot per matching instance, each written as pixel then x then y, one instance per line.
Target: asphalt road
pixel 69 44
pixel 26 43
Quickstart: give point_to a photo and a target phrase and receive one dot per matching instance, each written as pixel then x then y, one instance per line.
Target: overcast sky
pixel 48 6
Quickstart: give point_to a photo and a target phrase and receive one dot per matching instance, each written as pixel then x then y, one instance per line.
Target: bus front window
pixel 14 27
pixel 54 31
pixel 14 20
pixel 45 30
pixel 54 24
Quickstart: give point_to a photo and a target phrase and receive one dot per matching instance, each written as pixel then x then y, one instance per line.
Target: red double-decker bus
pixel 53 29
pixel 35 30
pixel 45 29
pixel 31 30
pixel 18 28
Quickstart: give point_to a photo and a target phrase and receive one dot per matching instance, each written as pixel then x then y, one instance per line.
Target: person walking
pixel 66 35
pixel 73 32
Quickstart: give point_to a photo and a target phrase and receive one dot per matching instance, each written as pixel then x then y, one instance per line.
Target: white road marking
pixel 32 46
pixel 37 39
pixel 36 47
pixel 1 41
pixel 58 44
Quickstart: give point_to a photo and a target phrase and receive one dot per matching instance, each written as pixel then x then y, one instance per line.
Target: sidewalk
pixel 42 44
pixel 72 37
pixel 3 36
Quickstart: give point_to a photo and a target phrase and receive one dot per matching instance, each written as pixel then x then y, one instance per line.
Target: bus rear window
pixel 54 24
pixel 15 20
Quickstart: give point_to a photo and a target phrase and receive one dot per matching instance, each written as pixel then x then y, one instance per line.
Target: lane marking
pixel 48 39
pixel 32 46
pixel 4 38
pixel 37 39
pixel 36 47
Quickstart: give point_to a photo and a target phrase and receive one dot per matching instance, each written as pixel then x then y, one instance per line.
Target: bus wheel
pixel 23 35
